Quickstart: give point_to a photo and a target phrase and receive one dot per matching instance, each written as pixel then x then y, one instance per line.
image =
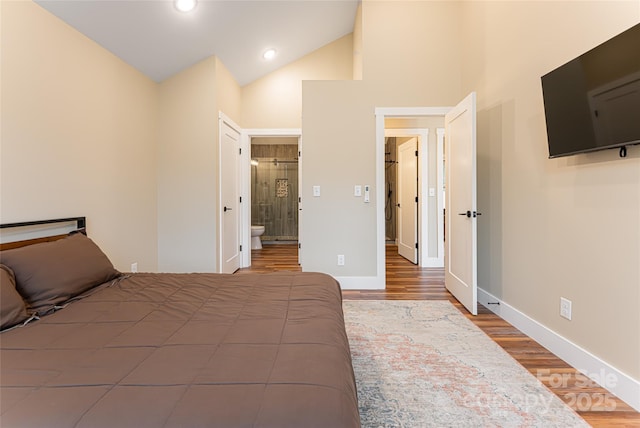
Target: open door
pixel 229 197
pixel 407 213
pixel 461 270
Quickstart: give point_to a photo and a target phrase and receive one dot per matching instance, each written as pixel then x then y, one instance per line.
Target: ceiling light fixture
pixel 185 5
pixel 269 54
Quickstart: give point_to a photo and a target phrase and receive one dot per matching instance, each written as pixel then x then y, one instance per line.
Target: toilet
pixel 256 232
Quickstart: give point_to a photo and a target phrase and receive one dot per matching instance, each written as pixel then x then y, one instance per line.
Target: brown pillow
pixel 12 308
pixel 51 273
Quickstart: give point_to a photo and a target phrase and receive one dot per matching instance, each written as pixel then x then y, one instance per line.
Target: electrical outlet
pixel 565 308
pixel 134 267
pixel 340 259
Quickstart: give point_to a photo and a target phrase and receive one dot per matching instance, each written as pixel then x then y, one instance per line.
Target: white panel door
pixel 229 197
pixel 461 277
pixel 407 208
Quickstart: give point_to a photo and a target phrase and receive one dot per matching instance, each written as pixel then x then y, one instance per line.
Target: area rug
pixel 423 364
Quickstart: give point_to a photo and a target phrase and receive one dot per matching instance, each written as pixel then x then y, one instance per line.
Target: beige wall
pixel 410 48
pixel 78 135
pixel 228 93
pixel 565 227
pixel 188 156
pixel 187 170
pixel 338 128
pixel 339 125
pixel 275 100
pixel 357 44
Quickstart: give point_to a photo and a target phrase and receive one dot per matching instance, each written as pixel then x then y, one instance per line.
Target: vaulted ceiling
pixel 158 40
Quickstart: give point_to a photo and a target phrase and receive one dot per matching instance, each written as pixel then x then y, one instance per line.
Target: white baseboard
pixel 360 282
pixel 618 383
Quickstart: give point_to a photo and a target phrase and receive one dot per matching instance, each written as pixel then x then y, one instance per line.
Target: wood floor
pixel 406 281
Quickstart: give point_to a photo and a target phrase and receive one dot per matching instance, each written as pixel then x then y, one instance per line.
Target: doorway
pixel 460 253
pixel 429 218
pixel 280 188
pixel 401 191
pixel 274 188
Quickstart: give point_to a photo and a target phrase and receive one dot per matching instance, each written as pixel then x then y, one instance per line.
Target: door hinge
pixel 416 245
pixel 240 199
pixel 416 199
pixel 299 245
pixel 240 247
pixel 416 153
pixel 299 153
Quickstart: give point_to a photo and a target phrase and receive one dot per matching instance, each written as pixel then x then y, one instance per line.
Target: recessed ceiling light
pixel 185 5
pixel 269 54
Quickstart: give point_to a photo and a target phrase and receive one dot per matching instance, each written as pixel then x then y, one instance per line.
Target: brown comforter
pixel 185 350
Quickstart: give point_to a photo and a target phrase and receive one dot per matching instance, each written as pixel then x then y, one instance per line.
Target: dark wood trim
pixel 20 244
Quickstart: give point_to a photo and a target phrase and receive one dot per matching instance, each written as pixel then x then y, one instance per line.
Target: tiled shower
pixel 274 190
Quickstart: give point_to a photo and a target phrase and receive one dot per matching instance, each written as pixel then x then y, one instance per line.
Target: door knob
pixel 468 214
pixel 227 209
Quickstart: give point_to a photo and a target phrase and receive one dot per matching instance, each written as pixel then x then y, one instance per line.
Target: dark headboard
pixel 81 226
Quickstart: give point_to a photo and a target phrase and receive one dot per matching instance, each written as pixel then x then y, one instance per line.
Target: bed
pixel 84 345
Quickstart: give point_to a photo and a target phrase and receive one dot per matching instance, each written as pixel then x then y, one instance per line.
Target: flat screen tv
pixel 593 102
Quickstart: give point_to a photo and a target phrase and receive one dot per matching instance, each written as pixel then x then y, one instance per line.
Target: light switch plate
pixel 357 190
pixel 316 191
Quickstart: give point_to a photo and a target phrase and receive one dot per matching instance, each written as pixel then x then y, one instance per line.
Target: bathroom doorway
pixel 270 185
pixel 274 188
